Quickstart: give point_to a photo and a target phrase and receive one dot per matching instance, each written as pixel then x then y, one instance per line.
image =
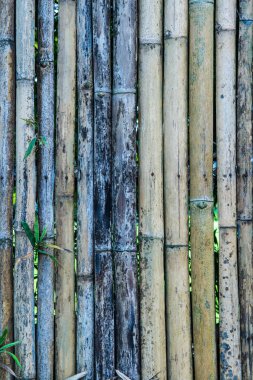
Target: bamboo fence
pixel 125 165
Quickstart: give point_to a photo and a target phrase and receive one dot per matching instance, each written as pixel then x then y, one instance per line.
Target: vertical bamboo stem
pixel 104 310
pixel 45 327
pixel 151 227
pixel 244 182
pixel 85 270
pixel 201 191
pixel 25 189
pixel 230 355
pixel 124 186
pixel 179 339
pixel 7 122
pixel 64 193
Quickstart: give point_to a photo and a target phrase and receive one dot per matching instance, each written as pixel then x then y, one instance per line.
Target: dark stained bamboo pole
pixel 104 308
pixel 85 249
pixel 124 186
pixel 151 223
pixel 46 175
pixel 24 328
pixel 64 191
pixel 179 340
pixel 230 349
pixel 7 129
pixel 201 187
pixel 244 182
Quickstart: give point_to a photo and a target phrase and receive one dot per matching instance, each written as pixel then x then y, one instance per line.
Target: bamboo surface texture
pixel 179 340
pixel 64 192
pixel 244 182
pixel 230 355
pixel 124 187
pixel 201 190
pixel 151 222
pixel 7 133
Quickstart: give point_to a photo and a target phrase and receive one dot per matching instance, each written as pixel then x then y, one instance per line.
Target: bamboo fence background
pixel 126 136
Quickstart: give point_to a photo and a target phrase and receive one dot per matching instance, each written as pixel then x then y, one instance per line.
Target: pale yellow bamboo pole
pixel 201 189
pixel 151 225
pixel 179 340
pixel 230 350
pixel 64 193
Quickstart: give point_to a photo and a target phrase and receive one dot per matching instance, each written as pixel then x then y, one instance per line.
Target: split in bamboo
pixel 85 249
pixel 7 132
pixel 179 340
pixel 46 111
pixel 245 182
pixel 151 227
pixel 124 186
pixel 201 189
pixel 230 350
pixel 64 192
pixel 24 328
pixel 104 310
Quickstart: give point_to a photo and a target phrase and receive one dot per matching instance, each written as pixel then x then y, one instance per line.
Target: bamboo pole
pixel 85 267
pixel 179 339
pixel 151 226
pixel 244 182
pixel 64 192
pixel 230 350
pixel 124 186
pixel 24 329
pixel 46 111
pixel 104 310
pixel 201 191
pixel 7 122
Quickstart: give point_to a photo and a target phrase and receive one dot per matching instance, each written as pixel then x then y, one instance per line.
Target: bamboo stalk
pixel 244 182
pixel 124 186
pixel 24 328
pixel 230 352
pixel 46 110
pixel 85 266
pixel 201 191
pixel 179 340
pixel 64 192
pixel 151 224
pixel 104 310
pixel 7 122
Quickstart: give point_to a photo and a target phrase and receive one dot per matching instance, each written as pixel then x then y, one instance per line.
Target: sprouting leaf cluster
pixel 37 141
pixel 5 351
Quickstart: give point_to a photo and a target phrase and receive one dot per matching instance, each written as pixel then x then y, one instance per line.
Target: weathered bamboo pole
pixel 7 128
pixel 179 340
pixel 64 192
pixel 104 310
pixel 85 266
pixel 230 350
pixel 46 175
pixel 244 183
pixel 24 329
pixel 151 223
pixel 201 189
pixel 124 186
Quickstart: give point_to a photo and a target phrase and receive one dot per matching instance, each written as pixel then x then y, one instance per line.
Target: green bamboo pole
pixel 230 350
pixel 124 187
pixel 244 182
pixel 201 189
pixel 64 192
pixel 7 127
pixel 179 340
pixel 151 224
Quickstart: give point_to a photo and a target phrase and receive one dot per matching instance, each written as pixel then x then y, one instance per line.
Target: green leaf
pixel 3 336
pixel 9 345
pixel 28 232
pixel 53 258
pixel 30 147
pixel 44 232
pixel 42 140
pixel 36 229
pixel 14 358
pixel 58 248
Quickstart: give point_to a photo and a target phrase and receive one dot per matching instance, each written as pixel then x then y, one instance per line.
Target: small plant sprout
pixel 4 351
pixel 37 141
pixel 38 242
